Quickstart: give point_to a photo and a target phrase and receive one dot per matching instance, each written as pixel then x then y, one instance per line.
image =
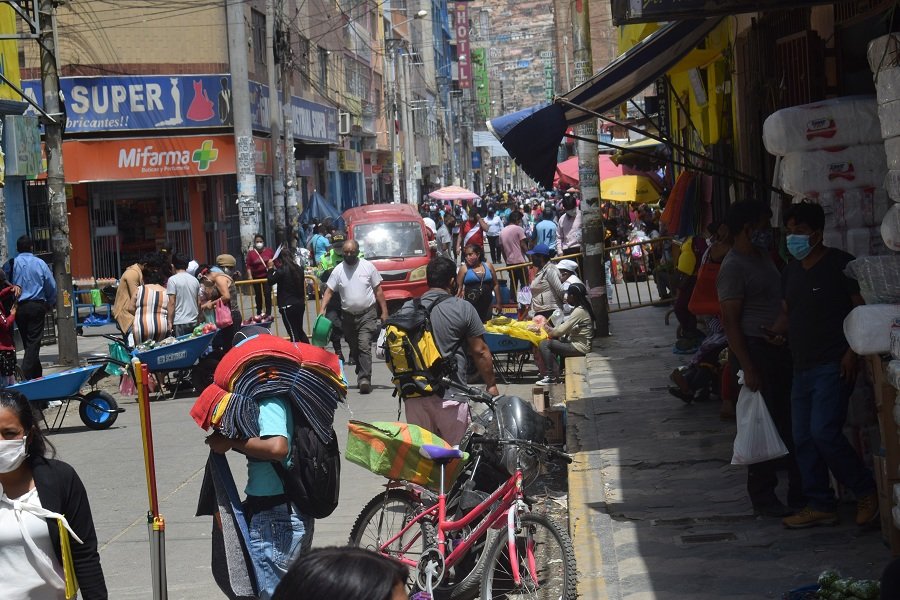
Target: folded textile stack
pixel 265 366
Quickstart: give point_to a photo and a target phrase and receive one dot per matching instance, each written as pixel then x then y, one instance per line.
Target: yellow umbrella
pixel 628 188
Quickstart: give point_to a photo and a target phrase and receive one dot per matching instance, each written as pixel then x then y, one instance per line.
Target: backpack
pixel 313 481
pixel 412 354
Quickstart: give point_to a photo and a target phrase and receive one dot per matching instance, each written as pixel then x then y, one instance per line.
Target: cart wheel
pixel 98 410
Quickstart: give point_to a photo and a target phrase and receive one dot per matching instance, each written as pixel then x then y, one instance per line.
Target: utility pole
pixel 248 206
pixel 290 162
pixel 452 142
pixel 275 123
pixel 67 339
pixel 391 105
pixel 407 130
pixel 592 233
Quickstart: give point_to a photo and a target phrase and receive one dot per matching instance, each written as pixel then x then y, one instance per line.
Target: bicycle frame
pixel 507 494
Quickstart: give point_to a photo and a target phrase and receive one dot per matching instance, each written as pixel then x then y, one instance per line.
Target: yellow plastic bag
pixel 67 561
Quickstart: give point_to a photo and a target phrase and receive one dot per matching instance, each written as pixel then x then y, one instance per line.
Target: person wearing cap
pixel 546 288
pixel 362 301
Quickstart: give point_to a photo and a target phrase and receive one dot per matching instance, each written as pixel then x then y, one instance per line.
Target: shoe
pixel 365 387
pixel 678 378
pixel 867 509
pixel 548 380
pixel 341 358
pixel 809 517
pixel 678 393
pixel 772 509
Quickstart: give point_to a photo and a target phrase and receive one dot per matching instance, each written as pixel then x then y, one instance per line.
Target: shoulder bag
pixel 223 314
pixel 705 297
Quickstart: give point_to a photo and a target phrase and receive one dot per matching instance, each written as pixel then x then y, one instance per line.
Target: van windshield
pixel 398 239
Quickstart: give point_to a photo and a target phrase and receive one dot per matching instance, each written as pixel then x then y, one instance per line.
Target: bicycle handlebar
pixel 470 392
pixel 534 445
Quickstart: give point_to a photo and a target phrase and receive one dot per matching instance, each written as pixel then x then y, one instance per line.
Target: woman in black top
pixel 47 489
pixel 291 294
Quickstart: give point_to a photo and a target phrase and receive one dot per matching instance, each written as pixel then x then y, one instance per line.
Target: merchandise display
pixel 846 121
pixel 820 171
pixel 868 328
pixel 878 277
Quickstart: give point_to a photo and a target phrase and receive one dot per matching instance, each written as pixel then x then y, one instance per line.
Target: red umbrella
pixel 567 171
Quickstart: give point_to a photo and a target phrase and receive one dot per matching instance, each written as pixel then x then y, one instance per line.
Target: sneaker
pixel 547 380
pixel 809 517
pixel 58 403
pixel 365 387
pixel 867 509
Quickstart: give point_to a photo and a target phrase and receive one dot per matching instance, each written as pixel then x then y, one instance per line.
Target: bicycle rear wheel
pixel 546 562
pixel 385 516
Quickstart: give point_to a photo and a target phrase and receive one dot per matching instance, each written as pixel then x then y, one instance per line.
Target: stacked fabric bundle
pixel 884 59
pixel 265 366
pixel 831 153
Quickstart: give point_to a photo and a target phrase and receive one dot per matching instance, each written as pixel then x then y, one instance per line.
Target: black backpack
pixel 313 481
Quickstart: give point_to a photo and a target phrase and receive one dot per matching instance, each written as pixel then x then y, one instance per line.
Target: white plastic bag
pixel 868 328
pixel 523 296
pixel 379 344
pixel 757 439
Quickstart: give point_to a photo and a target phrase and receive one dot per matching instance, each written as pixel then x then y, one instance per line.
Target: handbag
pixel 472 293
pixel 757 438
pixel 705 297
pixel 223 315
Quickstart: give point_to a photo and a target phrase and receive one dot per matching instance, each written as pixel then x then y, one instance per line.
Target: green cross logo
pixel 205 155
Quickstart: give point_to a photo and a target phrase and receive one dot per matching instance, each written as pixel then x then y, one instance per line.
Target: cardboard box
pixel 556 434
pixel 540 398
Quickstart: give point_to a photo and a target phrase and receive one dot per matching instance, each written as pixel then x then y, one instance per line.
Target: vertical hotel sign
pixel 462 45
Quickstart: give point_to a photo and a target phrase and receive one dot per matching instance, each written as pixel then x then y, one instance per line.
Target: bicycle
pixel 534 559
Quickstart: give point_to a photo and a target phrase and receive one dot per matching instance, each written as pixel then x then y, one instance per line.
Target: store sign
pixel 148 158
pixel 461 12
pixel 349 160
pixel 625 12
pixel 22 145
pixel 157 102
pixel 9 53
pixel 482 83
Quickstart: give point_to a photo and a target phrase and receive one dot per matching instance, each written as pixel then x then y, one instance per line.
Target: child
pixel 7 345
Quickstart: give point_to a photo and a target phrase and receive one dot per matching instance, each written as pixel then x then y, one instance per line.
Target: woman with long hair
pixel 150 307
pixel 291 281
pixel 344 573
pixel 572 338
pixel 477 281
pixel 40 497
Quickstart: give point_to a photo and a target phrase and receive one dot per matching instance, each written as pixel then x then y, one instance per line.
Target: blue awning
pixel 531 136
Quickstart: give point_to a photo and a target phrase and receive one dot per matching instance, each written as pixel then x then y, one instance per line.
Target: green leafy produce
pixel 834 587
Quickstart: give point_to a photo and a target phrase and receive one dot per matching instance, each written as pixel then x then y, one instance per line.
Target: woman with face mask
pixel 35 492
pixel 258 256
pixel 572 338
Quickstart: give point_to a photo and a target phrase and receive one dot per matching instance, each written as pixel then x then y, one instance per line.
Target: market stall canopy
pixel 629 188
pixel 453 192
pixel 531 136
pixel 567 171
pixel 318 209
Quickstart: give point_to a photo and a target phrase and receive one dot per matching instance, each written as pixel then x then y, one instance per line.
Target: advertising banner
pixel 461 12
pixel 482 84
pixel 157 102
pixel 9 53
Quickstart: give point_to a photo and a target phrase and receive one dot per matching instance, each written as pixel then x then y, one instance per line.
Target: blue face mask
pixel 798 246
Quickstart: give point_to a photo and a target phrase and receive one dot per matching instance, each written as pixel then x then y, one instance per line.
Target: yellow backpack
pixel 412 354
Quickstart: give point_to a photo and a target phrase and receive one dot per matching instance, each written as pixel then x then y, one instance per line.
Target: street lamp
pixel 409 149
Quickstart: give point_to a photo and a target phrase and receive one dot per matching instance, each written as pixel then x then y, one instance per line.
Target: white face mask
pixel 259 245
pixel 12 454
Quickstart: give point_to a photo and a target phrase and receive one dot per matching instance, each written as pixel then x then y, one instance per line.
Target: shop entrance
pixel 221 225
pixel 131 218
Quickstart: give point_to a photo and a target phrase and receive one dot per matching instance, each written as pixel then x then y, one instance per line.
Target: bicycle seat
pixel 439 454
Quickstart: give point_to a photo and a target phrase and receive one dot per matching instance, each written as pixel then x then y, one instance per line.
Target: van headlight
pixel 417 274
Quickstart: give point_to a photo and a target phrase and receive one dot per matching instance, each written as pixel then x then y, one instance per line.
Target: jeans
pixel 360 332
pixel 292 317
pixel 819 399
pixel 773 363
pixel 30 321
pixel 494 244
pixel 263 297
pixel 550 349
pixel 277 537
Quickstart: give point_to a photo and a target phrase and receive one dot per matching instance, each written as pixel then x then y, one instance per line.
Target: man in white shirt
pixel 359 284
pixel 182 289
pixel 568 234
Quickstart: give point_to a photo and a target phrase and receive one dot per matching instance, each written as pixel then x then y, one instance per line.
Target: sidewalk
pixel 656 509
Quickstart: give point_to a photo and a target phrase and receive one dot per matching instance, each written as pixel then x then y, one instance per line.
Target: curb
pixel 588 549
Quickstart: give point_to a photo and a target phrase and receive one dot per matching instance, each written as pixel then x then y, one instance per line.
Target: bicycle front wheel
pixel 384 517
pixel 545 558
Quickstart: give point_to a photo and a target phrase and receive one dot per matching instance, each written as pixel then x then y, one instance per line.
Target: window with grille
pixel 37 206
pixel 258 32
pixel 323 66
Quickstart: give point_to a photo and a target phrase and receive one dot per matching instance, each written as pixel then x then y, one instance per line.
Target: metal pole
pixel 248 206
pixel 592 234
pixel 290 163
pixel 275 124
pixel 67 339
pixel 407 129
pixel 391 105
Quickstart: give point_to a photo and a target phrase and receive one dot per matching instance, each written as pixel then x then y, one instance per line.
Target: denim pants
pixel 277 537
pixel 819 399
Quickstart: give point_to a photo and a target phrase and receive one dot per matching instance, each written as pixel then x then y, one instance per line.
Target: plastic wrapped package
pixel 878 277
pixel 890 228
pixel 868 328
pixel 828 170
pixel 893 376
pixel 834 238
pixel 848 209
pixel 861 242
pixel 831 123
pixel 887 85
pixel 889 117
pixel 884 52
pixel 892 185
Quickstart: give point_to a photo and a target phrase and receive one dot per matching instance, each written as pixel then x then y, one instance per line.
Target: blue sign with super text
pixel 155 102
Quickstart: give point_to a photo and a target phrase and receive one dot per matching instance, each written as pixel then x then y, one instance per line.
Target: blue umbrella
pixel 318 209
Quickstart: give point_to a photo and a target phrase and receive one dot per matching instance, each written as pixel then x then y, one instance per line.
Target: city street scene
pixel 449 299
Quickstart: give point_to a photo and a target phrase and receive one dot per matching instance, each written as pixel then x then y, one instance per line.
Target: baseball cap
pixel 568 265
pixel 541 249
pixel 337 239
pixel 225 260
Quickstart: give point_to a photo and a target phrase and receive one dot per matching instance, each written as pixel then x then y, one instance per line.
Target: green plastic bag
pixel 96 298
pixel 117 352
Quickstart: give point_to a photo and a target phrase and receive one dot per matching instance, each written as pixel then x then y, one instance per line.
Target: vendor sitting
pixel 572 338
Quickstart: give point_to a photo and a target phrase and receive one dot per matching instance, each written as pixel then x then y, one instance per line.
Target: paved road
pixel 112 467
